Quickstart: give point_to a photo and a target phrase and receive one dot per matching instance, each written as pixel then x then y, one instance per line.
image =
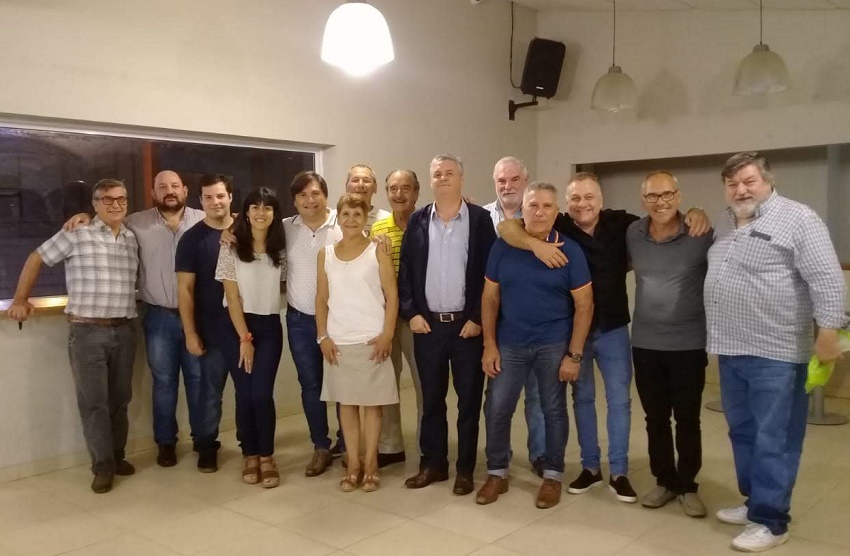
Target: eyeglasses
pixel 665 196
pixel 122 201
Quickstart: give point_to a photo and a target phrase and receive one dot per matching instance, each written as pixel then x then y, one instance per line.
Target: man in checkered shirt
pixel 771 271
pixel 101 266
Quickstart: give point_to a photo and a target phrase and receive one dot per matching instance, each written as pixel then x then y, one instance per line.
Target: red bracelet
pixel 248 337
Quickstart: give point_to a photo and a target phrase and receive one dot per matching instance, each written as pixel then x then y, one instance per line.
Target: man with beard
pixel 771 271
pixel 201 309
pixel 158 230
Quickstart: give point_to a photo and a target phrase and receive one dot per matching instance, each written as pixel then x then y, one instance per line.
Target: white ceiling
pixel 656 5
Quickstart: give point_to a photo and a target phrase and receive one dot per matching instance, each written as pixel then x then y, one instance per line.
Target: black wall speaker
pixel 542 70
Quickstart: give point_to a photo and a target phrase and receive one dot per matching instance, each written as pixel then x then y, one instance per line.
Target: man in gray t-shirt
pixel 668 339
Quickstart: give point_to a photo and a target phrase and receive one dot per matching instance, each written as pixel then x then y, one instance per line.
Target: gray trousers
pixel 102 364
pixel 392 440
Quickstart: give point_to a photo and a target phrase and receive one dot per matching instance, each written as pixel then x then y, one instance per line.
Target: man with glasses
pixel 668 339
pixel 158 230
pixel 101 264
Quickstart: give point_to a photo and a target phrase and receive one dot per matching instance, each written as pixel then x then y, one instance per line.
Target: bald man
pixel 158 230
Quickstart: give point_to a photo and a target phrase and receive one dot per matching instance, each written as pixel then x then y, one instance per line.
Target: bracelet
pixel 246 338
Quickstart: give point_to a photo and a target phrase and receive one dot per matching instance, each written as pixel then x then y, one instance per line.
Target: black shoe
pixel 208 461
pixel 623 489
pixel 337 449
pixel 124 468
pixel 537 465
pixel 463 484
pixel 167 456
pixel 102 481
pixel 585 481
pixel 389 459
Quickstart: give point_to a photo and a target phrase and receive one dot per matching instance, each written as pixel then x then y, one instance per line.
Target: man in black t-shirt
pixel 202 312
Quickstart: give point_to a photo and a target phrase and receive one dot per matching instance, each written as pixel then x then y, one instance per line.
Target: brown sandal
pixel 371 482
pixel 251 470
pixel 269 476
pixel 350 481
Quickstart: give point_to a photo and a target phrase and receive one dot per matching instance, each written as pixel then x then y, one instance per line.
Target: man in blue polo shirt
pixel 535 319
pixel 202 312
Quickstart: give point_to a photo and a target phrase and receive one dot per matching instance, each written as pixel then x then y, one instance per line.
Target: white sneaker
pixel 757 538
pixel 733 516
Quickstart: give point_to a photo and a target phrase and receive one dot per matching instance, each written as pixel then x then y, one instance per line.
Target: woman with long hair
pixel 251 271
pixel 356 309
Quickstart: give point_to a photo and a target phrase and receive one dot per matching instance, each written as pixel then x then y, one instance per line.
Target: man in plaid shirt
pixel 771 271
pixel 101 265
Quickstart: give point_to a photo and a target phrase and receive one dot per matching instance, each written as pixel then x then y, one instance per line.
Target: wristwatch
pixel 577 357
pixel 321 339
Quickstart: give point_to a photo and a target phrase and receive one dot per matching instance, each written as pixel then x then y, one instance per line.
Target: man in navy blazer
pixel 441 278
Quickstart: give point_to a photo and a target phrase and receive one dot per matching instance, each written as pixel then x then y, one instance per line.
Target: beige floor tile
pixel 342 523
pixel 541 536
pixel 824 524
pixel 125 545
pixel 202 530
pixel 629 520
pixel 797 546
pixel 147 511
pixel 493 550
pixel 277 505
pixel 415 539
pixel 271 542
pixel 694 536
pixel 514 510
pixel 23 506
pixel 394 497
pixel 59 535
pixel 640 548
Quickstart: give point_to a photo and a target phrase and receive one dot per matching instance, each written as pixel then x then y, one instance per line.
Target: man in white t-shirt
pixel 361 180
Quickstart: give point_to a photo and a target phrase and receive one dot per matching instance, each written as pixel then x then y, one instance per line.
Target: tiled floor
pixel 180 511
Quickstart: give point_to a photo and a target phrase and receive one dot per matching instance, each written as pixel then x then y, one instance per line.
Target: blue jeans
pixel 307 356
pixel 534 420
pixel 766 407
pixel 502 395
pixel 612 352
pixel 214 371
pixel 165 345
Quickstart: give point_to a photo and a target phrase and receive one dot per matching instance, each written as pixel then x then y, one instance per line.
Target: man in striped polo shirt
pixel 101 265
pixel 402 192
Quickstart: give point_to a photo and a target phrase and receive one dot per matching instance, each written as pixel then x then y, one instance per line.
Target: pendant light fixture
pixel 615 91
pixel 763 70
pixel 357 39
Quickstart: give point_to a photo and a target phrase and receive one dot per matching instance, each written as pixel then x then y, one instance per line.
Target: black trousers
pixel 435 352
pixel 672 382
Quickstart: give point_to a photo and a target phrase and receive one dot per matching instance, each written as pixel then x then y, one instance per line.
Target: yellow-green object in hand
pixel 819 372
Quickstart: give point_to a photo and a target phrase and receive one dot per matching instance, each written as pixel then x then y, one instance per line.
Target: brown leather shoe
pixel 549 494
pixel 425 477
pixel 319 463
pixel 463 484
pixel 493 487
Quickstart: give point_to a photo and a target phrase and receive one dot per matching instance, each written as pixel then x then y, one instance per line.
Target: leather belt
pixel 169 309
pixel 99 322
pixel 447 317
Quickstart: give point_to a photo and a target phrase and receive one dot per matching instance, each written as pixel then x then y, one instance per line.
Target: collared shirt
pixel 302 253
pixel 497 215
pixel 388 227
pixel 448 250
pixel 536 306
pixel 100 269
pixel 608 260
pixel 374 215
pixel 768 279
pixel 157 250
pixel 669 274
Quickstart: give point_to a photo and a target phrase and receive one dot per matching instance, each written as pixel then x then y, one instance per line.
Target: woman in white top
pixel 356 309
pixel 251 271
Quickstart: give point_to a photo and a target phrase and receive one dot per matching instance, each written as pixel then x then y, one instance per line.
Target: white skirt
pixel 358 381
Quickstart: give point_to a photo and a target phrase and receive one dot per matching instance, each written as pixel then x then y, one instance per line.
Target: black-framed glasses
pixel 122 201
pixel 665 196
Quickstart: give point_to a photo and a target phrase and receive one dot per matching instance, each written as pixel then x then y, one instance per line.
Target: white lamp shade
pixel 615 91
pixel 357 39
pixel 762 71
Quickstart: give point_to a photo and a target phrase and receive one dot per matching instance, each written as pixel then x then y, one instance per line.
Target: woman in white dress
pixel 251 271
pixel 356 309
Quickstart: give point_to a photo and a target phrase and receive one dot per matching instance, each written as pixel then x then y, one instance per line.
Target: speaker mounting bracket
pixel 514 106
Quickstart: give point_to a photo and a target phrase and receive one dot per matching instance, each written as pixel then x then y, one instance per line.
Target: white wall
pixel 683 64
pixel 251 69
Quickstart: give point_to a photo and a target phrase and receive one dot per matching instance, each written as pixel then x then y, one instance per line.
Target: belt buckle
pixel 447 317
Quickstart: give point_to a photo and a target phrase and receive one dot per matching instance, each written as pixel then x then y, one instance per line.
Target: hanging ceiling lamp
pixel 762 71
pixel 357 39
pixel 615 90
